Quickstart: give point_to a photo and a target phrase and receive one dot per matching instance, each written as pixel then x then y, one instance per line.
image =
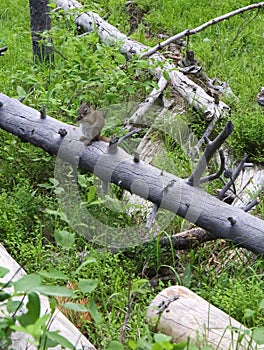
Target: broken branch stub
pixel 211 148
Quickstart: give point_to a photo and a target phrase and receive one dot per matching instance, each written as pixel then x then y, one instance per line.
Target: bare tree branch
pixel 210 150
pixel 219 172
pixel 148 103
pixel 233 177
pixel 189 32
pixel 127 315
pixel 187 239
pixel 196 96
pixel 251 205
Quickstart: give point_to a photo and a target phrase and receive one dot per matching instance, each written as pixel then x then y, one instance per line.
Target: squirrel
pixel 91 124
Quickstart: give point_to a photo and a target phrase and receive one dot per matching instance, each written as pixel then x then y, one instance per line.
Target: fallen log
pixel 161 188
pixel 182 314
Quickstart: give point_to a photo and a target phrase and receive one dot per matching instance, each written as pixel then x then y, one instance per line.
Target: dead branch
pixel 189 32
pixel 251 205
pixel 147 104
pixel 233 177
pixel 187 239
pixel 185 316
pixel 192 92
pixel 209 152
pixel 218 173
pixel 127 316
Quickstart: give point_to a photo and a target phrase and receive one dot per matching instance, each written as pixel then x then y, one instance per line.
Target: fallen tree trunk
pixel 161 188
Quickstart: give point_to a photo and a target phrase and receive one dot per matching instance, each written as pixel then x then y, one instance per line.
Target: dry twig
pixel 189 32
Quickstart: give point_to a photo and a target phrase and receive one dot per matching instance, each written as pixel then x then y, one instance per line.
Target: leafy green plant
pixel 24 315
pixel 158 341
pixel 20 311
pixel 258 332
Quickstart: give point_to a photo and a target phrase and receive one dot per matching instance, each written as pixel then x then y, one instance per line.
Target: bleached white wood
pixel 59 321
pixel 249 184
pixel 190 316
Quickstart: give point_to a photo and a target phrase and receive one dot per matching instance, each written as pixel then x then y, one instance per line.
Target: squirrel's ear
pixel 88 103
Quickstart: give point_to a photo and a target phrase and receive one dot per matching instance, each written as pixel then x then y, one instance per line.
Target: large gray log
pixel 162 188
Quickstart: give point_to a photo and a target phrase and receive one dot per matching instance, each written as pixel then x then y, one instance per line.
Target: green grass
pixel 230 51
pixel 86 69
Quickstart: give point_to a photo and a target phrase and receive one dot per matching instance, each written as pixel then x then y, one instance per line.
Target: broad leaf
pixel 27 283
pixel 59 339
pixel 115 345
pixel 57 291
pixel 94 312
pixel 13 306
pixel 76 307
pixel 258 335
pixel 87 285
pixel 64 238
pixel 3 271
pixel 4 296
pixel 33 313
pixel 54 274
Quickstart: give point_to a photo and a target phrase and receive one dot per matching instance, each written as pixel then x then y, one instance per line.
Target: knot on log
pixel 231 220
pixel 62 132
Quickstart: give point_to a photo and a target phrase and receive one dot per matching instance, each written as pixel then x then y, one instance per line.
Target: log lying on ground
pixel 161 188
pixel 20 341
pixel 182 314
pixel 109 34
pixel 250 183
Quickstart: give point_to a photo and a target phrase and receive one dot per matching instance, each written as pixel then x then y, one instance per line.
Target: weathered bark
pixel 182 314
pixel 161 188
pixel 40 22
